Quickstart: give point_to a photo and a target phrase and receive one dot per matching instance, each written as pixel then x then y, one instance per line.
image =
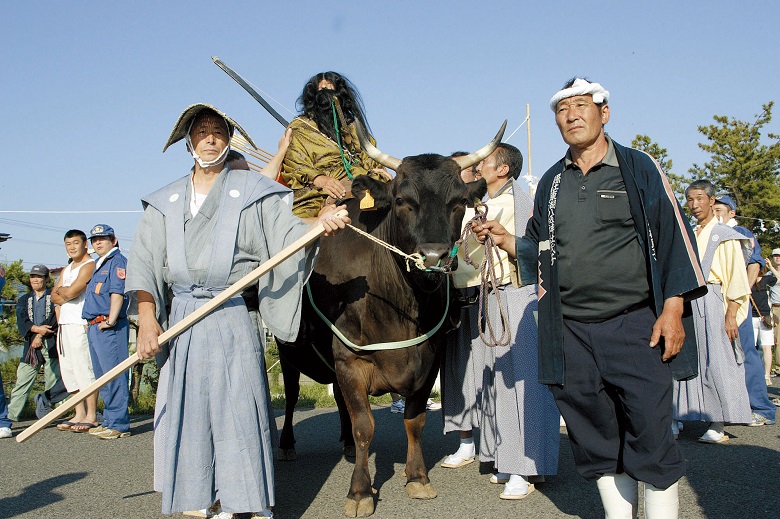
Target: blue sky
pixel 91 90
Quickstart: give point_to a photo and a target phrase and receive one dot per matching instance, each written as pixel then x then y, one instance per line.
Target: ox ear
pixel 476 190
pixel 372 193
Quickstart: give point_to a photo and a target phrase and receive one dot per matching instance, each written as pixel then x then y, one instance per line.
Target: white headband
pixel 581 87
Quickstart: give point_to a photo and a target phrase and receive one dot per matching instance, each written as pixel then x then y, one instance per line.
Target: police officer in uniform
pixel 105 309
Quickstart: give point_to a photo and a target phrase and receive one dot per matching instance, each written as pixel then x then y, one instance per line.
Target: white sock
pixel 517 484
pixel 466 448
pixel 661 504
pixel 619 495
pixel 716 427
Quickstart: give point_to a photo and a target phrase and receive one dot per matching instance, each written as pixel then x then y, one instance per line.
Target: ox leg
pixel 418 486
pixel 346 423
pixel 360 499
pixel 292 389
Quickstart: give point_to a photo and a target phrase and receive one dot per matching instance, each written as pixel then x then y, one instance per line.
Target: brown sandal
pixel 82 427
pixel 65 426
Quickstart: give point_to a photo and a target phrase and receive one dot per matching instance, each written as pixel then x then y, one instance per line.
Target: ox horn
pixel 469 160
pixel 372 151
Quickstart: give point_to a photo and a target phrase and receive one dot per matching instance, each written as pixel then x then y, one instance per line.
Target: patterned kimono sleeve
pixel 23 321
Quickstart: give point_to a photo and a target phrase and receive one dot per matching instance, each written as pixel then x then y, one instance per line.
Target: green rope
pixel 344 160
pixel 382 345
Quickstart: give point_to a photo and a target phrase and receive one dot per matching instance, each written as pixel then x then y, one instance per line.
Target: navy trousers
pixel 617 400
pixel 108 348
pixel 754 372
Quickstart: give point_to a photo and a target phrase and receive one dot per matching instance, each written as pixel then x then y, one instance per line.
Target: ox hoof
pixel 417 490
pixel 362 508
pixel 287 454
pixel 349 452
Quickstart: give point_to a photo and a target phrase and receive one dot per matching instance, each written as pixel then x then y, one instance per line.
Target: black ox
pixel 372 297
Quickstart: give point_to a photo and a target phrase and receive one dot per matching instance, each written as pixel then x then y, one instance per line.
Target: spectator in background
pixel 763 320
pixel 5 423
pixel 773 264
pixel 763 410
pixel 37 324
pixel 105 309
pixel 469 174
pixel 75 362
pixel 718 393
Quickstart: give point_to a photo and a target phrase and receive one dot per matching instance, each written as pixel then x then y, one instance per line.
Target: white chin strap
pixel 200 161
pixel 581 87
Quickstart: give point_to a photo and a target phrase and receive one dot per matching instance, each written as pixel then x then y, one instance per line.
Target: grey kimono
pixel 213 424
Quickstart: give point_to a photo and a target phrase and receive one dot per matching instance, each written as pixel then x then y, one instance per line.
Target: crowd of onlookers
pixel 75 331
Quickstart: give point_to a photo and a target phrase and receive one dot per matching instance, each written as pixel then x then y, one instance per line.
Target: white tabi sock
pixel 619 495
pixel 661 504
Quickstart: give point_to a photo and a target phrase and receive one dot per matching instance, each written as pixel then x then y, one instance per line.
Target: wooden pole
pixel 178 328
pixel 528 118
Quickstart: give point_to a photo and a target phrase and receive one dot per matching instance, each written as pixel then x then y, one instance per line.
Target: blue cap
pixel 101 229
pixel 726 200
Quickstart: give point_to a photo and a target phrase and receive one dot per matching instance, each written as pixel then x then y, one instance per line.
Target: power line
pixel 74 212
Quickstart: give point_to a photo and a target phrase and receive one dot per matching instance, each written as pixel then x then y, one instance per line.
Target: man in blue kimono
pixel 199 235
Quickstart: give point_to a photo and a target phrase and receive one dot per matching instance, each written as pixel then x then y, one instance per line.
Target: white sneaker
pixel 5 432
pixel 398 406
pixel 432 406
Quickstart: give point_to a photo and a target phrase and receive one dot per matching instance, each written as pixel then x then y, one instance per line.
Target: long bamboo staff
pixel 178 328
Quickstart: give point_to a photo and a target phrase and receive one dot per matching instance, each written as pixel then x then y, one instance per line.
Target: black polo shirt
pixel 601 267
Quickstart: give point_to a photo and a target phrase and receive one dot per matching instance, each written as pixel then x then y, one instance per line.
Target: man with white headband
pixel 199 235
pixel 617 266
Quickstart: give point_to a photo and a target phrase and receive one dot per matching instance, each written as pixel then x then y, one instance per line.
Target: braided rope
pixel 488 278
pixel 417 259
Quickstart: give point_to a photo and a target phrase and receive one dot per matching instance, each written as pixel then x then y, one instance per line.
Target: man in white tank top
pixel 75 361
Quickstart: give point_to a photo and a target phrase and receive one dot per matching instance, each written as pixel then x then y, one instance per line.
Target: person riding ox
pixel 377 316
pixel 324 153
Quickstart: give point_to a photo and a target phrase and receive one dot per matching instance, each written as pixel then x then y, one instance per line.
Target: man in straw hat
pixel 198 235
pixel 616 261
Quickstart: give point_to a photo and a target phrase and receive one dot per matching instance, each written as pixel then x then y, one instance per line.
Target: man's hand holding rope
pixel 503 239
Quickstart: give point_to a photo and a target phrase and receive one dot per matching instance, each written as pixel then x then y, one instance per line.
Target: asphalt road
pixel 65 475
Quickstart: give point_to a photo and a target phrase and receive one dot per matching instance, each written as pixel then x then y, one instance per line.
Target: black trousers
pixel 617 400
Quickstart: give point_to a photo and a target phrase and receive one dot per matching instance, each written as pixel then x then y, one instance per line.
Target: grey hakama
pixel 462 375
pixel 214 426
pixel 520 423
pixel 718 393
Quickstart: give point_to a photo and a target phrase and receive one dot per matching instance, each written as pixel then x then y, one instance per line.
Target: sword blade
pixel 246 86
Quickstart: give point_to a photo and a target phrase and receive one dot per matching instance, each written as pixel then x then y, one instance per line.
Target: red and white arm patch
pixel 120 273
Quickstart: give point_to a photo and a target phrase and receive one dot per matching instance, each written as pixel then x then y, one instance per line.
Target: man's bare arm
pixel 79 285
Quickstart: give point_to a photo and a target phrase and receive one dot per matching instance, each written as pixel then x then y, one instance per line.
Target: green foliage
pixel 749 170
pixel 661 155
pixel 9 334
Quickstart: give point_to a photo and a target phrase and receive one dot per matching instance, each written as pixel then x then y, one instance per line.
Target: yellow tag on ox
pixel 367 202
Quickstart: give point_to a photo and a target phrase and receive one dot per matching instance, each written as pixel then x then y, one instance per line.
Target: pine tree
pixel 748 170
pixel 661 155
pixel 9 333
